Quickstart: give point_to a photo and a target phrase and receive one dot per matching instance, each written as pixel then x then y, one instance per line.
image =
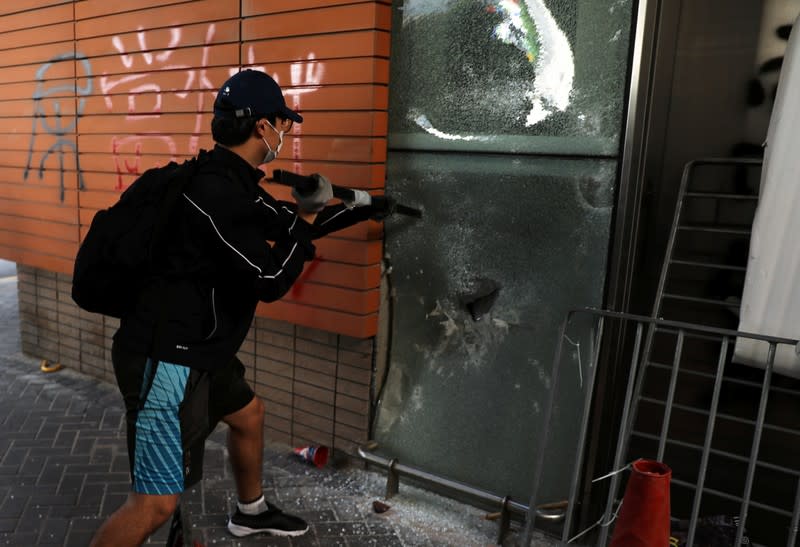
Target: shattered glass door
pixel 505 125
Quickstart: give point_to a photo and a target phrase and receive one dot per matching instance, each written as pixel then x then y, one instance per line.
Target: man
pixel 175 356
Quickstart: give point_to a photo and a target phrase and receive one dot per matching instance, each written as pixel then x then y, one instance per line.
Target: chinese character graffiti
pixel 141 87
pixel 48 118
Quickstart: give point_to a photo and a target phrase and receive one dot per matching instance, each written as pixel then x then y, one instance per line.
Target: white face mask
pixel 272 154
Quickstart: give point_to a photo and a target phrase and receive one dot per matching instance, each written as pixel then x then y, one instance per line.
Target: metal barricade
pixel 655 393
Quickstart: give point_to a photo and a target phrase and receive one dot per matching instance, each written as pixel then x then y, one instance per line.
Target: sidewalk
pixel 64 468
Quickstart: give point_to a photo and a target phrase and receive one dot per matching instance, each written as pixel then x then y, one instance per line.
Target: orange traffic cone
pixel 644 517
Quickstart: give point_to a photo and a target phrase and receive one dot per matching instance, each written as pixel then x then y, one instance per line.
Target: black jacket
pixel 218 264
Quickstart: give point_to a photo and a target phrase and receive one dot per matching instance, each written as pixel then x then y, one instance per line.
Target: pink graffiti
pixel 302 82
pixel 305 77
pixel 162 57
pixel 251 62
pixel 136 85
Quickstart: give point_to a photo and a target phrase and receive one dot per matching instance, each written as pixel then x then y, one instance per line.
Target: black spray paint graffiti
pixel 54 123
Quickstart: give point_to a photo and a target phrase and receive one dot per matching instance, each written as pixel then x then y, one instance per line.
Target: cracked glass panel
pixel 507 245
pixel 541 76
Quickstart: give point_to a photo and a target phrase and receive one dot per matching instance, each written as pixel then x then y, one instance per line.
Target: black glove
pixel 382 207
pixel 314 199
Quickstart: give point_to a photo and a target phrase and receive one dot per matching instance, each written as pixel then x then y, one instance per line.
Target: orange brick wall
pixel 94 92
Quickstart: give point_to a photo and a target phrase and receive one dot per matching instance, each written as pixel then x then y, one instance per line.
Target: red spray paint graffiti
pixel 299 285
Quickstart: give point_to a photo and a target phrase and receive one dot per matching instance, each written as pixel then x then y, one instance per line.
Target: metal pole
pixel 537 474
pixel 667 323
pixel 751 468
pixel 621 445
pixel 701 477
pixel 587 407
pixel 673 381
pixel 662 280
pixel 423 476
pixel 795 518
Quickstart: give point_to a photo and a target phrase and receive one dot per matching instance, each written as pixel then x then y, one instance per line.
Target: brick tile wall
pixel 135 85
pixel 315 384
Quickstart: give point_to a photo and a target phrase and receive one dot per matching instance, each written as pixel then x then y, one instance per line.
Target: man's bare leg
pixel 135 520
pixel 254 514
pixel 246 448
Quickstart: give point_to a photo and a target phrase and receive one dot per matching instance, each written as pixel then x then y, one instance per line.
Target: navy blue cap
pixel 252 94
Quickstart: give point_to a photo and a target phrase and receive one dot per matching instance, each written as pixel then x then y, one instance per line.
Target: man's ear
pixel 259 128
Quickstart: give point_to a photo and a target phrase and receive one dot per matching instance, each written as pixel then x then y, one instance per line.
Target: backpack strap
pixel 177 179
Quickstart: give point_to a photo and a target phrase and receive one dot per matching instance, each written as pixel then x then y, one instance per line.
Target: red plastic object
pixel 644 517
pixel 318 455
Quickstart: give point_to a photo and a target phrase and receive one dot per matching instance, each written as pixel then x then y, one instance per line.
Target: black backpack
pixel 118 254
